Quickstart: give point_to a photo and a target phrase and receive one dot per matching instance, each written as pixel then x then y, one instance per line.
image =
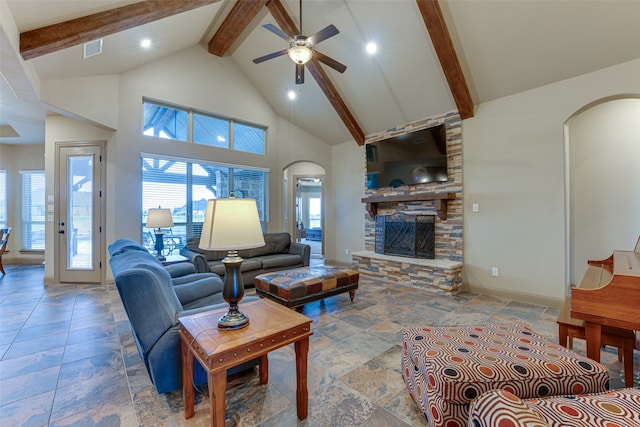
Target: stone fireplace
pixel 406 235
pixel 442 201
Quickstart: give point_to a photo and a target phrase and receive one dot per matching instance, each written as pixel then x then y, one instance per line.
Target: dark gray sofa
pixel 154 301
pixel 278 253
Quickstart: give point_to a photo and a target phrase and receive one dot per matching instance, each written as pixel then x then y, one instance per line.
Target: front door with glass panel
pixel 79 219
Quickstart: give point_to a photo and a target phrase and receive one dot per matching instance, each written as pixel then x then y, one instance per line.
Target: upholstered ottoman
pixel 299 286
pixel 617 408
pixel 446 367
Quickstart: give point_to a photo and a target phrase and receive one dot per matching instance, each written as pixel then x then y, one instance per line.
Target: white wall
pixel 13 159
pixel 513 167
pixel 197 79
pixel 191 78
pixel 63 129
pixel 346 191
pixel 604 167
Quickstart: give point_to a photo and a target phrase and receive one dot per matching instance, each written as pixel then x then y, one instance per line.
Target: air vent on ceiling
pixel 92 48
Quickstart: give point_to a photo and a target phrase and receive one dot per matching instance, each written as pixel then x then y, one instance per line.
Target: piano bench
pixel 623 339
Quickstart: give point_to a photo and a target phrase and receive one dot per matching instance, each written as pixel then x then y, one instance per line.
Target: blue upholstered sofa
pixel 154 298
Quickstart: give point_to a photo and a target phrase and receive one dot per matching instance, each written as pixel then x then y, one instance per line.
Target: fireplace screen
pixel 406 235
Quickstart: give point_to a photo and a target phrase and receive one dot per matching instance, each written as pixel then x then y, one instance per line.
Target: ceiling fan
pixel 301 48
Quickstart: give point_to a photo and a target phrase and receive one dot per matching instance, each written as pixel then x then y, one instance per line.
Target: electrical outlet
pixel 495 272
pixel 346 251
pixel 475 207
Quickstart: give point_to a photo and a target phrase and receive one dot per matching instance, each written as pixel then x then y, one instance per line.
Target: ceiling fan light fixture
pixel 300 54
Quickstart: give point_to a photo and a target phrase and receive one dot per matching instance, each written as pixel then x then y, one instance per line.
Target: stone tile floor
pixel 68 358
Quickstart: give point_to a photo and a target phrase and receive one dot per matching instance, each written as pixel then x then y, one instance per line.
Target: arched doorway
pixel 304 203
pixel 602 181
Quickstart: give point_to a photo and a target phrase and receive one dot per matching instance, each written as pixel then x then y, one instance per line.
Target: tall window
pixel 3 198
pixel 33 210
pixel 315 212
pixel 200 127
pixel 184 187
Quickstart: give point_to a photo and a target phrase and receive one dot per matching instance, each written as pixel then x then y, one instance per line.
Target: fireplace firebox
pixel 406 235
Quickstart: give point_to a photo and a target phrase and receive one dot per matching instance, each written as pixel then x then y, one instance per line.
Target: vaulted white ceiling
pixel 504 47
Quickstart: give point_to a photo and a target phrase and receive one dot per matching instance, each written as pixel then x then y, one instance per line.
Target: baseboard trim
pixel 518 296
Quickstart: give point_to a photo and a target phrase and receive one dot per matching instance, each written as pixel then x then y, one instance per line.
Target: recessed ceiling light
pixel 291 94
pixel 372 48
pixel 145 43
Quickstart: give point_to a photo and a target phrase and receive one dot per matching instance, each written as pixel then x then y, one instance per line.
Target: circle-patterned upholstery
pixel 618 408
pixel 446 367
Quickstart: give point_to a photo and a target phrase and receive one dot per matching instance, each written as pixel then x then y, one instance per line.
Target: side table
pixel 271 326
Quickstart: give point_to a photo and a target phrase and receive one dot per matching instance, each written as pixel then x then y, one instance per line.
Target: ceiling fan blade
pixel 299 74
pixel 278 32
pixel 325 33
pixel 270 56
pixel 341 68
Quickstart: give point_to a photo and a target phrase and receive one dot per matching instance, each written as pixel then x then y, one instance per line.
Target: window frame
pixel 191 123
pixel 191 227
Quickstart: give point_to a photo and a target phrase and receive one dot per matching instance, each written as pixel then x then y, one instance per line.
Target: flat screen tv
pixel 412 158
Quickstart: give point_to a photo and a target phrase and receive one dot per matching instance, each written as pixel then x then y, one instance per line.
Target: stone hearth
pixel 442 276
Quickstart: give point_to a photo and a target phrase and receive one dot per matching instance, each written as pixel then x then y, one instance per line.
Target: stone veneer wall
pixel 448 232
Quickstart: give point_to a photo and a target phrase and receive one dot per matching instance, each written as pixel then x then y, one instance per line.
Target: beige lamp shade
pixel 231 224
pixel 158 218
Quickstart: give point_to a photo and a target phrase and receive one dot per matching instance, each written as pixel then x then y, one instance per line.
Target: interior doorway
pixel 309 213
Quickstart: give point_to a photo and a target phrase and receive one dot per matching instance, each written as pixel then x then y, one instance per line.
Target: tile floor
pixel 68 358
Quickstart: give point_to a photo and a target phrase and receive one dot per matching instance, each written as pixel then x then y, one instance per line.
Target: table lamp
pixel 232 224
pixel 158 218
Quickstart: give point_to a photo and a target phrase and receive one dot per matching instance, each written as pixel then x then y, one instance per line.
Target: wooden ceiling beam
pixel 62 35
pixel 287 25
pixel 441 39
pixel 238 19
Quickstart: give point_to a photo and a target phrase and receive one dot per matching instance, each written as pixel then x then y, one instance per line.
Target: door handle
pixel 60 231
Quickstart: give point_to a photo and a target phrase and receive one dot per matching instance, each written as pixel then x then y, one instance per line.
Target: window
pixel 33 210
pixel 315 212
pixel 3 199
pixel 165 122
pixel 210 131
pixel 184 186
pixel 248 138
pixel 171 122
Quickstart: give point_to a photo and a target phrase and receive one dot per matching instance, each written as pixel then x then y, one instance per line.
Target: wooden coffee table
pixel 271 326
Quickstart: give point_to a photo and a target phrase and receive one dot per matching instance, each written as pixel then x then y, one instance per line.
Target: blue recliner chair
pixel 154 301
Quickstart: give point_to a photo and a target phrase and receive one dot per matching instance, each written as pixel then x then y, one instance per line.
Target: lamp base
pixel 232 292
pixel 233 319
pixel 159 245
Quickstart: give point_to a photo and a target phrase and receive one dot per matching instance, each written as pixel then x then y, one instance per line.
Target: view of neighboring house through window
pixel 33 210
pixel 200 127
pixel 3 198
pixel 184 186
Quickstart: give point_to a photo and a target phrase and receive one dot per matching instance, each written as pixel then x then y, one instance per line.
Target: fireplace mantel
pixel 439 201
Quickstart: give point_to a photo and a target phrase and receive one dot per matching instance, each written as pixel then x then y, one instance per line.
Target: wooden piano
pixel 616 303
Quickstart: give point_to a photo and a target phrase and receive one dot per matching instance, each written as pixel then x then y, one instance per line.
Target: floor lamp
pixel 158 218
pixel 232 224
